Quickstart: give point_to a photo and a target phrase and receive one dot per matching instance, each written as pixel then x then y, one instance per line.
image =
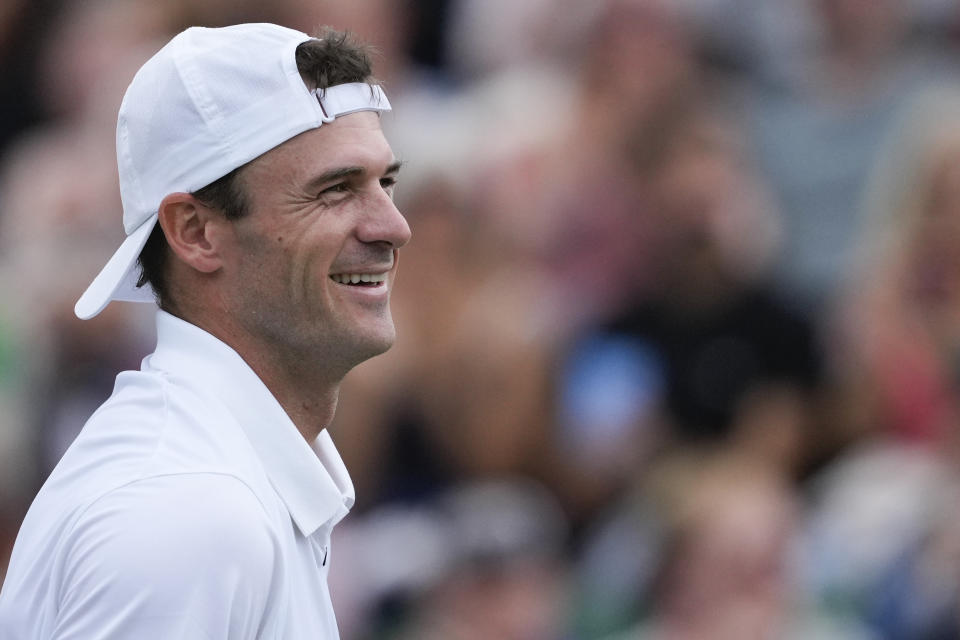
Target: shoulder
pixel 154 425
pixel 195 548
pixel 192 517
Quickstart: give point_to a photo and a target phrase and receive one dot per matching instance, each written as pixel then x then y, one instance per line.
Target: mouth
pixel 367 280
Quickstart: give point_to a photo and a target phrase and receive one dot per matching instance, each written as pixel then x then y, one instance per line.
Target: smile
pixel 360 279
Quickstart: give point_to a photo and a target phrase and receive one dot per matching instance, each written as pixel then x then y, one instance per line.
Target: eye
pixel 335 193
pixel 340 187
pixel 388 183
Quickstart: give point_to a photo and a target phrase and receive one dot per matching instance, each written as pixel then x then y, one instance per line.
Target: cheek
pixel 308 262
pixel 290 263
pixel 264 268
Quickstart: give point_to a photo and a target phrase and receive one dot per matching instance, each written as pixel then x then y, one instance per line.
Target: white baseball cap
pixel 209 101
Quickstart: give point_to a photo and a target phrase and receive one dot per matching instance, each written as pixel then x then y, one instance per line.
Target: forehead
pixel 354 140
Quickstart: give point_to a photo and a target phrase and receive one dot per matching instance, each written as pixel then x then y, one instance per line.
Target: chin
pixel 383 344
pixel 374 344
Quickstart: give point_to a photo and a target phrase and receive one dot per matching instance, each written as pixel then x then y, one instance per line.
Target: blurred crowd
pixel 679 327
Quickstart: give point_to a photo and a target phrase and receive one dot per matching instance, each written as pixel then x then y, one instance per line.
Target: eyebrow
pixel 347 172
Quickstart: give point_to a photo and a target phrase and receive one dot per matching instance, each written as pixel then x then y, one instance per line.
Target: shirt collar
pixel 310 479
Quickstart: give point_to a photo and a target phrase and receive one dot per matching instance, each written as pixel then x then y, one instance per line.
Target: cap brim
pixel 118 279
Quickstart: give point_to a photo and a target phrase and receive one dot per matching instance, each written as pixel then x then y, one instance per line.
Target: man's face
pixel 320 217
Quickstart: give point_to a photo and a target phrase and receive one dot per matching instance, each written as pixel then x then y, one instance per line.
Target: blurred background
pixel 679 348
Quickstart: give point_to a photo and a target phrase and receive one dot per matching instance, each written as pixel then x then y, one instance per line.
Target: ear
pixel 187 224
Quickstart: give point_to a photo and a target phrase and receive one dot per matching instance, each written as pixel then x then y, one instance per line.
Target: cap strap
pixel 342 99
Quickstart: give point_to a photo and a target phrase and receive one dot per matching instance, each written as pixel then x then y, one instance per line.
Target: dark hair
pixel 332 58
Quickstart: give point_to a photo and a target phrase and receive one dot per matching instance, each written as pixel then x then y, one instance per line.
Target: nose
pixel 384 223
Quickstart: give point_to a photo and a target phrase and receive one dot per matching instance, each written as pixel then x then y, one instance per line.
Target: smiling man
pixel 198 501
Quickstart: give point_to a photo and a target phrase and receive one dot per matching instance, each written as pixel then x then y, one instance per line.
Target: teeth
pixel 357 278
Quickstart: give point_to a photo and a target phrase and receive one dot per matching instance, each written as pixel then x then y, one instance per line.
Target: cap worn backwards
pixel 209 101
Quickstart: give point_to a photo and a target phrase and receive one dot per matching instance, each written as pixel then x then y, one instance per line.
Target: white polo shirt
pixel 189 507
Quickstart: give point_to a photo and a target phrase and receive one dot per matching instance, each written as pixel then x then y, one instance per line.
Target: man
pixel 198 501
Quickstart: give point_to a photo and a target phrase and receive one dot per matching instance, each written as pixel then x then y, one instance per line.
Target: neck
pixel 307 393
pixel 303 384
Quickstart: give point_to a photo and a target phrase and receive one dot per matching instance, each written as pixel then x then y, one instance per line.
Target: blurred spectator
pixel 492 36
pixel 731 361
pixel 725 574
pixel 601 237
pixel 899 329
pixel 728 570
pixel 895 337
pixel 877 517
pixel 21 24
pixel 917 598
pixel 482 560
pixel 817 123
pixel 507 579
